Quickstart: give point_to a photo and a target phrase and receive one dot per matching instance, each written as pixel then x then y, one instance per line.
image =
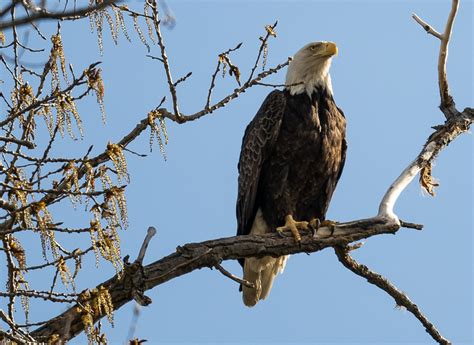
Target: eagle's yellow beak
pixel 330 49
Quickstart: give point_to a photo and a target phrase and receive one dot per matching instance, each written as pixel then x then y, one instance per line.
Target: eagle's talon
pixel 293 226
pixel 314 226
pixel 331 225
pixel 279 231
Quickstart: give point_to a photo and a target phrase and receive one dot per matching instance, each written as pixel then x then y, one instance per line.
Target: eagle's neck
pixel 307 78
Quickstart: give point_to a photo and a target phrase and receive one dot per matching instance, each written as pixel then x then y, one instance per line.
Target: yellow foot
pixel 293 226
pixel 315 224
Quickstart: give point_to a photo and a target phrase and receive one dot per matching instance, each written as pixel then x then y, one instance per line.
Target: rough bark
pixel 136 278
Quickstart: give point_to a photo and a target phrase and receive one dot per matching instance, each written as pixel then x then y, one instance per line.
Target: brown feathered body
pixel 292 156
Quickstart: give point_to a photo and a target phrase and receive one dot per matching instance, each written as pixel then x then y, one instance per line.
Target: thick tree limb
pixel 400 298
pixel 194 256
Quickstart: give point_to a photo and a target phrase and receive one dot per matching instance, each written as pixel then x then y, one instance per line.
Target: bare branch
pixel 75 254
pixel 11 323
pixel 149 235
pixel 456 124
pixel 164 58
pixel 400 298
pixel 428 28
pixel 214 75
pixel 434 144
pixel 263 46
pixel 223 102
pixel 447 105
pixel 410 225
pixel 233 277
pixel 182 79
pixel 43 14
pixel 25 143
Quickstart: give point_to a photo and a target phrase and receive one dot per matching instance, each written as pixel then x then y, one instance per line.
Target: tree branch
pixel 456 124
pixel 195 256
pixel 43 14
pixel 233 277
pixel 447 105
pixel 400 298
pixel 428 28
pixel 434 144
pixel 164 60
pixel 25 143
pixel 223 102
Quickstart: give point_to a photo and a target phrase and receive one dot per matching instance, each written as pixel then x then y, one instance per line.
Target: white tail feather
pixel 260 271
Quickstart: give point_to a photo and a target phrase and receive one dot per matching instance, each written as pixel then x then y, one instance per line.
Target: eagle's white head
pixel 310 68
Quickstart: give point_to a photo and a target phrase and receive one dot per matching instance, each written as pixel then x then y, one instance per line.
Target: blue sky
pixel 385 81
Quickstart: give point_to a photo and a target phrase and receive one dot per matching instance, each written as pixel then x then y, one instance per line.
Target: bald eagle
pixel 292 156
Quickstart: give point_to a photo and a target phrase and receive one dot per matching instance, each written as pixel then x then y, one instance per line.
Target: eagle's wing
pixel 343 151
pixel 257 144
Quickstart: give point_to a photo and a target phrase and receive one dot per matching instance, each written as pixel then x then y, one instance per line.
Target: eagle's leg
pixel 315 224
pixel 293 226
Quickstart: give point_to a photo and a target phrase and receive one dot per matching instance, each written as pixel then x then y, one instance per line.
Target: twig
pixel 410 225
pixel 149 235
pixel 214 75
pixel 45 295
pixel 225 100
pixel 11 277
pixel 428 28
pixel 25 143
pixel 154 57
pixel 14 328
pixel 213 84
pixel 263 45
pixel 400 298
pixel 279 85
pixel 75 254
pixel 182 79
pixel 43 14
pixel 233 277
pixel 165 61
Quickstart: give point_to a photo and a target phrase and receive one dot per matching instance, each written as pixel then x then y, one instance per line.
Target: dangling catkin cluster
pixel 95 82
pixel 115 153
pixel 158 131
